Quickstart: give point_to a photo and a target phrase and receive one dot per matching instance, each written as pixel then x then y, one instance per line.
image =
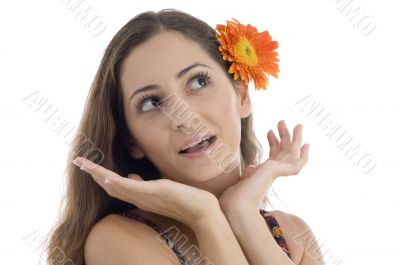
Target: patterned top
pixel 269 219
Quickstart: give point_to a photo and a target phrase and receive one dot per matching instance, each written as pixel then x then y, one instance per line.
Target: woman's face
pixel 214 103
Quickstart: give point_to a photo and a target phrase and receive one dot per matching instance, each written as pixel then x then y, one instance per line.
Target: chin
pixel 199 174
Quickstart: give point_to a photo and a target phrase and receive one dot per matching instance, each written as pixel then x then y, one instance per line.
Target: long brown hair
pixel 102 134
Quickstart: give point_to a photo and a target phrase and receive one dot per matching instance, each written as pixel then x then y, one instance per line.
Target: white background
pixel 46 49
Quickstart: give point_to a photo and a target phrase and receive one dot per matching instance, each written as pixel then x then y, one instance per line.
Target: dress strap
pixel 144 220
pixel 159 231
pixel 275 230
pixel 269 219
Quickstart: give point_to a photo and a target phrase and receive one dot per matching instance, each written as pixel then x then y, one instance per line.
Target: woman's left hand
pixel 286 158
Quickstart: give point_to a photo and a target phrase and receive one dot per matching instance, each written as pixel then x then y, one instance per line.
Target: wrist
pixel 242 215
pixel 210 217
pixel 270 169
pixel 244 220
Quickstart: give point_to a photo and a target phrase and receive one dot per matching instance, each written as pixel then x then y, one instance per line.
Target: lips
pixel 197 143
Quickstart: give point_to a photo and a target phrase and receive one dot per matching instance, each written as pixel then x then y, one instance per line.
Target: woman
pixel 166 153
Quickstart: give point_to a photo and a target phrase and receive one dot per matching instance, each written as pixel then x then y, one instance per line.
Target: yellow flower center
pixel 244 51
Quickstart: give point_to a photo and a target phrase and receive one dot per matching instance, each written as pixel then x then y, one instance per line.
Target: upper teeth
pixel 195 143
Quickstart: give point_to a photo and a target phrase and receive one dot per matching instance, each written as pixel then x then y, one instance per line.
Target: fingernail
pixel 88 164
pixel 78 162
pixel 84 163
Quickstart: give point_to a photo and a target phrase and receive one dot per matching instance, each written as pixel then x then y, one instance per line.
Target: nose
pixel 176 126
pixel 187 124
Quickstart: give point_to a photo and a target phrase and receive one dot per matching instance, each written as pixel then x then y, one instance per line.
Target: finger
pixel 111 182
pixel 284 134
pixel 304 152
pixel 273 143
pixel 297 138
pixel 135 177
pixel 99 173
pixel 298 164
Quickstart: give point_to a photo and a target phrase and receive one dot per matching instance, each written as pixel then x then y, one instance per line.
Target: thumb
pixel 134 177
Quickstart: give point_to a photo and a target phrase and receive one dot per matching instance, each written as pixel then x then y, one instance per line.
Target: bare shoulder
pixel 293 226
pixel 298 235
pixel 290 220
pixel 117 239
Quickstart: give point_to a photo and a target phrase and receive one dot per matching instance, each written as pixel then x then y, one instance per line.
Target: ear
pixel 134 150
pixel 244 103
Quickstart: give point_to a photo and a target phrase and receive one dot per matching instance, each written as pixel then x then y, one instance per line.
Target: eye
pixel 199 80
pixel 146 103
pixel 149 102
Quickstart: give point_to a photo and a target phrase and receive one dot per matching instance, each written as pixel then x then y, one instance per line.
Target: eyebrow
pixel 177 76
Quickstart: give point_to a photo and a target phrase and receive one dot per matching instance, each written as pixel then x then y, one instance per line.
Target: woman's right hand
pixel 165 197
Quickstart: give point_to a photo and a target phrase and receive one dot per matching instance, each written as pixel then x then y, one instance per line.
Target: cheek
pixel 227 119
pixel 154 141
pixel 227 109
pixel 149 137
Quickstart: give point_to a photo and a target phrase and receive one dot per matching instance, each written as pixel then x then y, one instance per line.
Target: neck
pixel 220 183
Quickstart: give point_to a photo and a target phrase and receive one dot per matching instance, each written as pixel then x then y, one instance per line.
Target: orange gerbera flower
pixel 251 53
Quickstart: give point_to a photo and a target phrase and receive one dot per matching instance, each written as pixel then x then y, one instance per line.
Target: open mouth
pixel 200 146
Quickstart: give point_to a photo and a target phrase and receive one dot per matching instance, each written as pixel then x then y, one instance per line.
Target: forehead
pixel 162 55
